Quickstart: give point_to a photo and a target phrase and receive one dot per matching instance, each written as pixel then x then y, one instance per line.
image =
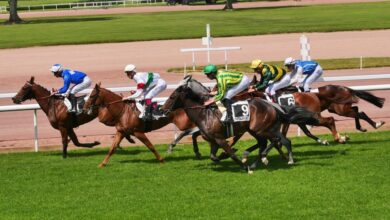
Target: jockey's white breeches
pixel 152 92
pixel 311 78
pixel 244 84
pixel 283 82
pixel 79 87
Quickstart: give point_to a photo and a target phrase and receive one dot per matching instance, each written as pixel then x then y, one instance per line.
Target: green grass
pixel 190 24
pixel 326 64
pixel 348 181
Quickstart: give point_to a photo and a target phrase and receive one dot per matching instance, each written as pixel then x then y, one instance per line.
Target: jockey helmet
pixel 256 64
pixel 130 68
pixel 56 68
pixel 289 61
pixel 211 68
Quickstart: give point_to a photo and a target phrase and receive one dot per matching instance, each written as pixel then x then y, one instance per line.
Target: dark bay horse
pixel 56 112
pixel 125 117
pixel 265 120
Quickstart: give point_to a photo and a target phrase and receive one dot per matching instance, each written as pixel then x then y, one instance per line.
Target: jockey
pixel 311 69
pixel 80 80
pixel 229 85
pixel 149 84
pixel 268 73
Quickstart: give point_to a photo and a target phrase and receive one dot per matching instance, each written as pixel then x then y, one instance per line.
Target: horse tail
pixel 298 115
pixel 369 97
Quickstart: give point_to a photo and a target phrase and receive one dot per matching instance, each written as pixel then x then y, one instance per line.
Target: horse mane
pixel 199 87
pixel 41 87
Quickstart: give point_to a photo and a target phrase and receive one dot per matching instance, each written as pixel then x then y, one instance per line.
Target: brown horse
pixel 338 100
pixel 265 120
pixel 56 112
pixel 125 116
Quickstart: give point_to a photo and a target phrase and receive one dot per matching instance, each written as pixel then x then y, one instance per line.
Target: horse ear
pixel 32 79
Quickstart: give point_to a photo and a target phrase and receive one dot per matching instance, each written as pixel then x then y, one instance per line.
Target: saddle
pixel 157 113
pixel 80 103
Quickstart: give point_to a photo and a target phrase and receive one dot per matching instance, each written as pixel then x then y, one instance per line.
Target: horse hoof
pixel 265 161
pixel 102 165
pixel 325 142
pixel 379 124
pixel 198 156
pixel 291 162
pixel 362 129
pixel 169 151
pixel 250 172
pixel 161 160
pixel 244 160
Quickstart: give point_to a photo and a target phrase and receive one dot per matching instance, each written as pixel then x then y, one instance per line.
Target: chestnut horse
pixel 125 116
pixel 56 112
pixel 339 100
pixel 265 120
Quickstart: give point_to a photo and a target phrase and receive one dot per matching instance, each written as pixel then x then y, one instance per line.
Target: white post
pixel 193 60
pixel 305 47
pixel 361 62
pixel 225 59
pixel 185 69
pixel 36 131
pixel 208 42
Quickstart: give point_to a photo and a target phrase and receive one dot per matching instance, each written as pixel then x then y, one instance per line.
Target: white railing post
pixel 225 59
pixel 193 60
pixel 36 131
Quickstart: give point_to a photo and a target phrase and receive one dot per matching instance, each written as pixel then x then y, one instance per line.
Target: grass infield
pixel 190 24
pixel 348 181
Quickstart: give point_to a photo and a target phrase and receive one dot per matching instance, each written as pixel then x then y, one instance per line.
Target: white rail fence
pixel 35 107
pixel 83 5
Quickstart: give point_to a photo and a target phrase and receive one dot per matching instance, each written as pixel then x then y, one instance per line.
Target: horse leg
pixel 374 124
pixel 64 136
pixel 195 135
pixel 213 152
pixel 355 110
pixel 76 142
pixel 329 123
pixel 174 142
pixel 246 153
pixel 142 137
pixel 129 139
pixel 310 135
pixel 226 147
pixel 223 154
pixel 262 143
pixel 286 142
pixel 117 140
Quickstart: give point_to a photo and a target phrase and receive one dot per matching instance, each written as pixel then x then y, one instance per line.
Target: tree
pixel 13 12
pixel 228 5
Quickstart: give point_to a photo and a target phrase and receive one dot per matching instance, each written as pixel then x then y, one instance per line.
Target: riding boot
pixel 73 102
pixel 228 105
pixel 274 98
pixel 148 112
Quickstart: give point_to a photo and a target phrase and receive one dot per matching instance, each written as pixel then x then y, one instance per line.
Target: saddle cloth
pixel 141 109
pixel 240 111
pixel 80 103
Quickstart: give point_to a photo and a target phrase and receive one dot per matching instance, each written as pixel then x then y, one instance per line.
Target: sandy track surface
pixel 105 63
pixel 147 9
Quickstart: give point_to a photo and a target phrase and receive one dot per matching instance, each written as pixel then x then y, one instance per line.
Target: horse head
pixel 93 99
pixel 25 92
pixel 188 89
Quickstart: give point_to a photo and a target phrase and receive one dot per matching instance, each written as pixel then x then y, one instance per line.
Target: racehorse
pixel 265 120
pixel 56 112
pixel 125 116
